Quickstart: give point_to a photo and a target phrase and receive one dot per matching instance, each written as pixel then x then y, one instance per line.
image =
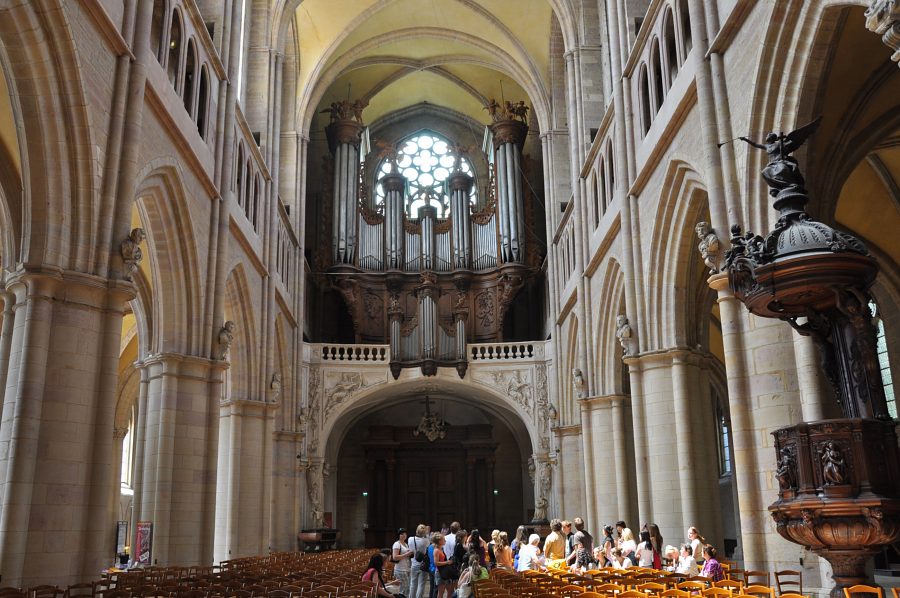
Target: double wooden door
pixel 431 495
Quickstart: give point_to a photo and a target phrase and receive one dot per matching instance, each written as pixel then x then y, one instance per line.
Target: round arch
pixel 484 396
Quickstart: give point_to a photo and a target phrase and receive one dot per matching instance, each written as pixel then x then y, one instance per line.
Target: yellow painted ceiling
pixel 866 206
pixel 370 44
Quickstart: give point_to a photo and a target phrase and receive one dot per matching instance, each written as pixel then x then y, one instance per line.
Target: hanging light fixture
pixel 431 425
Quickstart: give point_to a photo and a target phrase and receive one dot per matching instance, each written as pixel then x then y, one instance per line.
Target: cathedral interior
pixel 283 265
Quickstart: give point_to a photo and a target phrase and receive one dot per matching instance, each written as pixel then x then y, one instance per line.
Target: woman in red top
pixel 445 587
pixel 374 574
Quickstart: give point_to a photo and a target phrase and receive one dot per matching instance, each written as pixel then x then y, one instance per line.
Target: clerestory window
pixel 884 362
pixel 426 162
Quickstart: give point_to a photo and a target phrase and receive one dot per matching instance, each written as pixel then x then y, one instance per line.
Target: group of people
pixel 451 560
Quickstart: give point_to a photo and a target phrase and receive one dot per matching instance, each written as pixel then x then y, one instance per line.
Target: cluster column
pixel 343 140
pixel 509 137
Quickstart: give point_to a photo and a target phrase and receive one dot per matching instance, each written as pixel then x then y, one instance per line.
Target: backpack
pixel 421 555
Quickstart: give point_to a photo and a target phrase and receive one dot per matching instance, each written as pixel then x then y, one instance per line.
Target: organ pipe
pixel 343 140
pixel 394 185
pixel 460 188
pixel 509 136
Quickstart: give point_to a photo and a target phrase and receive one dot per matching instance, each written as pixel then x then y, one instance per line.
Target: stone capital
pixel 883 18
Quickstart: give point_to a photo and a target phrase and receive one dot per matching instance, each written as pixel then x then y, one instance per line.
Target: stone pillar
pixel 140 436
pixel 460 188
pixel 179 477
pixel 640 439
pixel 56 433
pixel 509 137
pixel 394 185
pixel 343 140
pixel 245 478
pixel 758 356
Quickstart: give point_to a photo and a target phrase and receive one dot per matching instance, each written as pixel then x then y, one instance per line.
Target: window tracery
pixel 426 162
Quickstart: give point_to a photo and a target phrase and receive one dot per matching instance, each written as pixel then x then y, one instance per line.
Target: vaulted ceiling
pixel 454 54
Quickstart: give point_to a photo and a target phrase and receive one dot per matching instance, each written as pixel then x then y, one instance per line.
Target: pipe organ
pixel 428 285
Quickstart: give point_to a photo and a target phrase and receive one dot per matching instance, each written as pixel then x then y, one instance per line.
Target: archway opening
pixel 391 474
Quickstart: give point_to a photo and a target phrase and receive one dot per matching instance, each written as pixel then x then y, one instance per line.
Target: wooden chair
pixel 194 593
pixel 675 593
pixel 736 587
pixel 79 590
pixel 716 593
pixel 591 595
pixel 793 595
pixel 735 574
pixel 788 581
pixel 862 589
pixel 759 590
pixel 651 588
pixel 895 592
pixel 749 577
pixel 695 587
pixel 570 591
pixel 609 589
pixel 632 594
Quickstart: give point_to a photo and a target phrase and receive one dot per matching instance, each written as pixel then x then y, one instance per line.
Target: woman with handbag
pixel 401 556
pixel 418 570
pixel 445 569
pixel 375 573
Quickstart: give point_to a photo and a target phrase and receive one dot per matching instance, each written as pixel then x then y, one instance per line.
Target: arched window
pixel 254 215
pixel 156 28
pixel 671 60
pixel 187 86
pixel 126 476
pixel 426 162
pixel 611 160
pixel 247 191
pixel 644 99
pixel 656 73
pixel 595 195
pixel 685 20
pixel 883 361
pixel 239 173
pixel 203 102
pixel 173 61
pixel 604 199
pixel 723 427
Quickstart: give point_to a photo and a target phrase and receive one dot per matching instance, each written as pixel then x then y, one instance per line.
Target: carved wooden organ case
pixel 427 286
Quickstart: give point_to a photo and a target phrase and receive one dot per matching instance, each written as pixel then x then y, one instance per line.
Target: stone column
pixel 140 435
pixel 56 434
pixel 394 186
pixel 343 141
pixel 762 396
pixel 509 137
pixel 179 470
pixel 639 435
pixel 460 187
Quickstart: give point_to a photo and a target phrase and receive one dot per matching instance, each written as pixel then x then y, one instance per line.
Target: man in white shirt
pixel 450 538
pixel 530 556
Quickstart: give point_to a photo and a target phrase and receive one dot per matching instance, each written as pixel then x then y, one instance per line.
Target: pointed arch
pixel 176 291
pixel 607 351
pixel 243 355
pixel 674 259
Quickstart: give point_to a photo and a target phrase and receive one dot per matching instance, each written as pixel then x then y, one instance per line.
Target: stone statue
pixel 226 337
pixel 782 173
pixel 131 251
pixel 540 509
pixel 624 334
pixel 710 248
pixel 303 417
pixel 578 383
pixel 275 386
pixel 832 464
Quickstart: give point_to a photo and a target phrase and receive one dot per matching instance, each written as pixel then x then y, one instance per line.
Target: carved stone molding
pixel 883 18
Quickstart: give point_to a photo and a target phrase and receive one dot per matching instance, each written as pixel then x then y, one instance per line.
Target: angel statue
pixel 782 173
pixel 710 247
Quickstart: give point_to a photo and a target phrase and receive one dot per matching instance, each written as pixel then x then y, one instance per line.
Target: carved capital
pixel 883 18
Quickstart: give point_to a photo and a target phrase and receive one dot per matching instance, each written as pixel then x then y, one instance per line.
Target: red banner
pixel 144 549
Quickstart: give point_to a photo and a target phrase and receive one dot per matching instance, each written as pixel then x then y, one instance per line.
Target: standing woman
pixel 657 540
pixel 503 552
pixel 696 541
pixel 401 556
pixel 418 570
pixel 628 545
pixel 445 586
pixel 517 544
pixel 645 551
pixel 609 544
pixel 476 544
pixel 492 557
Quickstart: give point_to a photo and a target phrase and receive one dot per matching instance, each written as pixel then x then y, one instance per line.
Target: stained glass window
pixel 426 162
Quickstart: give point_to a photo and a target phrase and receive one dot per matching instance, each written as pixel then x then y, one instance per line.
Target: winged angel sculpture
pixel 782 173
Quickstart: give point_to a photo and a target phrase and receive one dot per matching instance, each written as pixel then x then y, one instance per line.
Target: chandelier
pixel 431 425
